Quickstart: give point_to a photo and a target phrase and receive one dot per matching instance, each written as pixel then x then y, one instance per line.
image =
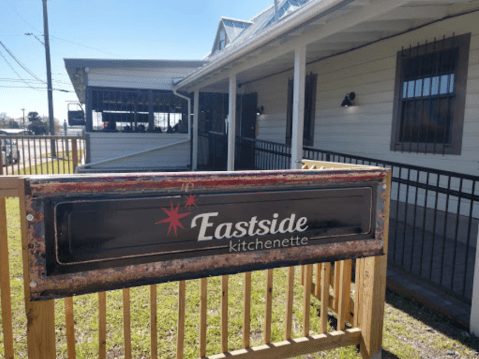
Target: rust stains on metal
pixel 49 185
pixel 86 282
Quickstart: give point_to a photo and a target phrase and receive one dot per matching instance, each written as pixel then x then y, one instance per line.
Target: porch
pixel 433 237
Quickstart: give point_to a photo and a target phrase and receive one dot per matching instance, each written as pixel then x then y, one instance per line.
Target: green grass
pixel 60 165
pixel 409 332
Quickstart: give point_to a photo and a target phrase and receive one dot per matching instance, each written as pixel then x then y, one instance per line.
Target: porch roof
pixel 76 68
pixel 327 28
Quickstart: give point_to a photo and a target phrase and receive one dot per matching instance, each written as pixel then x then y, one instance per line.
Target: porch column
pixel 298 107
pixel 151 111
pixel 232 123
pixel 194 125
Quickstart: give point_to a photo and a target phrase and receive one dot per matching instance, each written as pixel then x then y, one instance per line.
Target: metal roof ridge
pixel 251 43
pixel 237 20
pixel 261 13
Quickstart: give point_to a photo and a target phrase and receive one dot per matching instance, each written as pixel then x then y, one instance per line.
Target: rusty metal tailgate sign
pixel 94 233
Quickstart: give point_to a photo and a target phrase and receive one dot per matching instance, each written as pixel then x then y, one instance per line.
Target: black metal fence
pixel 434 214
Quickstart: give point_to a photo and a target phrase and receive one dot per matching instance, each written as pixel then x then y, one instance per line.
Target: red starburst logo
pixel 173 218
pixel 190 201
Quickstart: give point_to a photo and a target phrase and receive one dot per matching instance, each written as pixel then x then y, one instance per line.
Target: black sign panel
pixel 92 234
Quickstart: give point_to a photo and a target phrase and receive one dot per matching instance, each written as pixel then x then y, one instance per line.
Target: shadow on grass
pixel 389 355
pixel 435 321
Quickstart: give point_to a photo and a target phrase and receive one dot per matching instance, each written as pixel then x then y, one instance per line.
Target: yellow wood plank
pixel 247 310
pixel 102 325
pixel 325 280
pixel 6 300
pixel 40 315
pixel 373 294
pixel 347 290
pixel 153 322
pixel 224 313
pixel 203 318
pixel 357 289
pixel 70 327
pixel 268 307
pixel 317 286
pixel 180 338
pixel 295 347
pixel 127 322
pixel 308 276
pixel 289 304
pixel 343 296
pixel 337 272
pixel 373 291
pixel 9 186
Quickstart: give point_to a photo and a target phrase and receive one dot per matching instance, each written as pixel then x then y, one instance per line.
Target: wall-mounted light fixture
pixel 348 100
pixel 260 110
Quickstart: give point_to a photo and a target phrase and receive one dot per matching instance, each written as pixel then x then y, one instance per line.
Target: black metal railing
pixel 434 215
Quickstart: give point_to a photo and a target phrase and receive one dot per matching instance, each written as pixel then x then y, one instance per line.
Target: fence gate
pixel 206 225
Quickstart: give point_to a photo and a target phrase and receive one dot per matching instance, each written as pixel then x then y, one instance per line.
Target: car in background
pixel 9 151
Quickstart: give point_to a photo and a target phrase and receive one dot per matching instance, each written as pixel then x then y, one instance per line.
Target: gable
pixel 228 31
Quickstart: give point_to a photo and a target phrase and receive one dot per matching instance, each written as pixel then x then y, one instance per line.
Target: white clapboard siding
pixel 370 72
pixel 105 146
pixel 141 78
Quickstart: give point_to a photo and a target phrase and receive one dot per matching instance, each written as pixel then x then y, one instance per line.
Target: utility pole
pixel 49 76
pixel 23 118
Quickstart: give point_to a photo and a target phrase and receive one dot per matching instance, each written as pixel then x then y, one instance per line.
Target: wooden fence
pixel 359 315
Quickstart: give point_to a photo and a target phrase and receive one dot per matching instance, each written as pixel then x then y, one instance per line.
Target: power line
pixel 89 47
pixel 21 17
pixel 25 87
pixel 8 63
pixel 20 63
pixel 55 37
pixel 36 37
pixel 32 80
pixel 35 88
pixel 26 68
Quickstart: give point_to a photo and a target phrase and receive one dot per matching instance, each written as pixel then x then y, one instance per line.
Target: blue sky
pixel 133 29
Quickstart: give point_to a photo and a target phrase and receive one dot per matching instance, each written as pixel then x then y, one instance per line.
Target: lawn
pixel 410 331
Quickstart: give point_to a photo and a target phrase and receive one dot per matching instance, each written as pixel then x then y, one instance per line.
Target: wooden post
pixel 371 312
pixel 289 304
pixel 180 338
pixel 268 307
pixel 5 282
pixel 232 124
pixel 203 317
pixel 102 325
pixel 126 322
pixel 247 310
pixel 153 322
pixel 325 282
pixel 224 314
pixel 70 327
pixel 370 309
pixel 298 107
pixel 308 276
pixel 40 315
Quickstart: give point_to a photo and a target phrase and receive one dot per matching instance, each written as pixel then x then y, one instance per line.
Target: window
pixel 222 40
pixel 309 110
pixel 430 92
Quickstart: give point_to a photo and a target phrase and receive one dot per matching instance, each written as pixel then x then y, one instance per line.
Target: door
pixel 246 113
